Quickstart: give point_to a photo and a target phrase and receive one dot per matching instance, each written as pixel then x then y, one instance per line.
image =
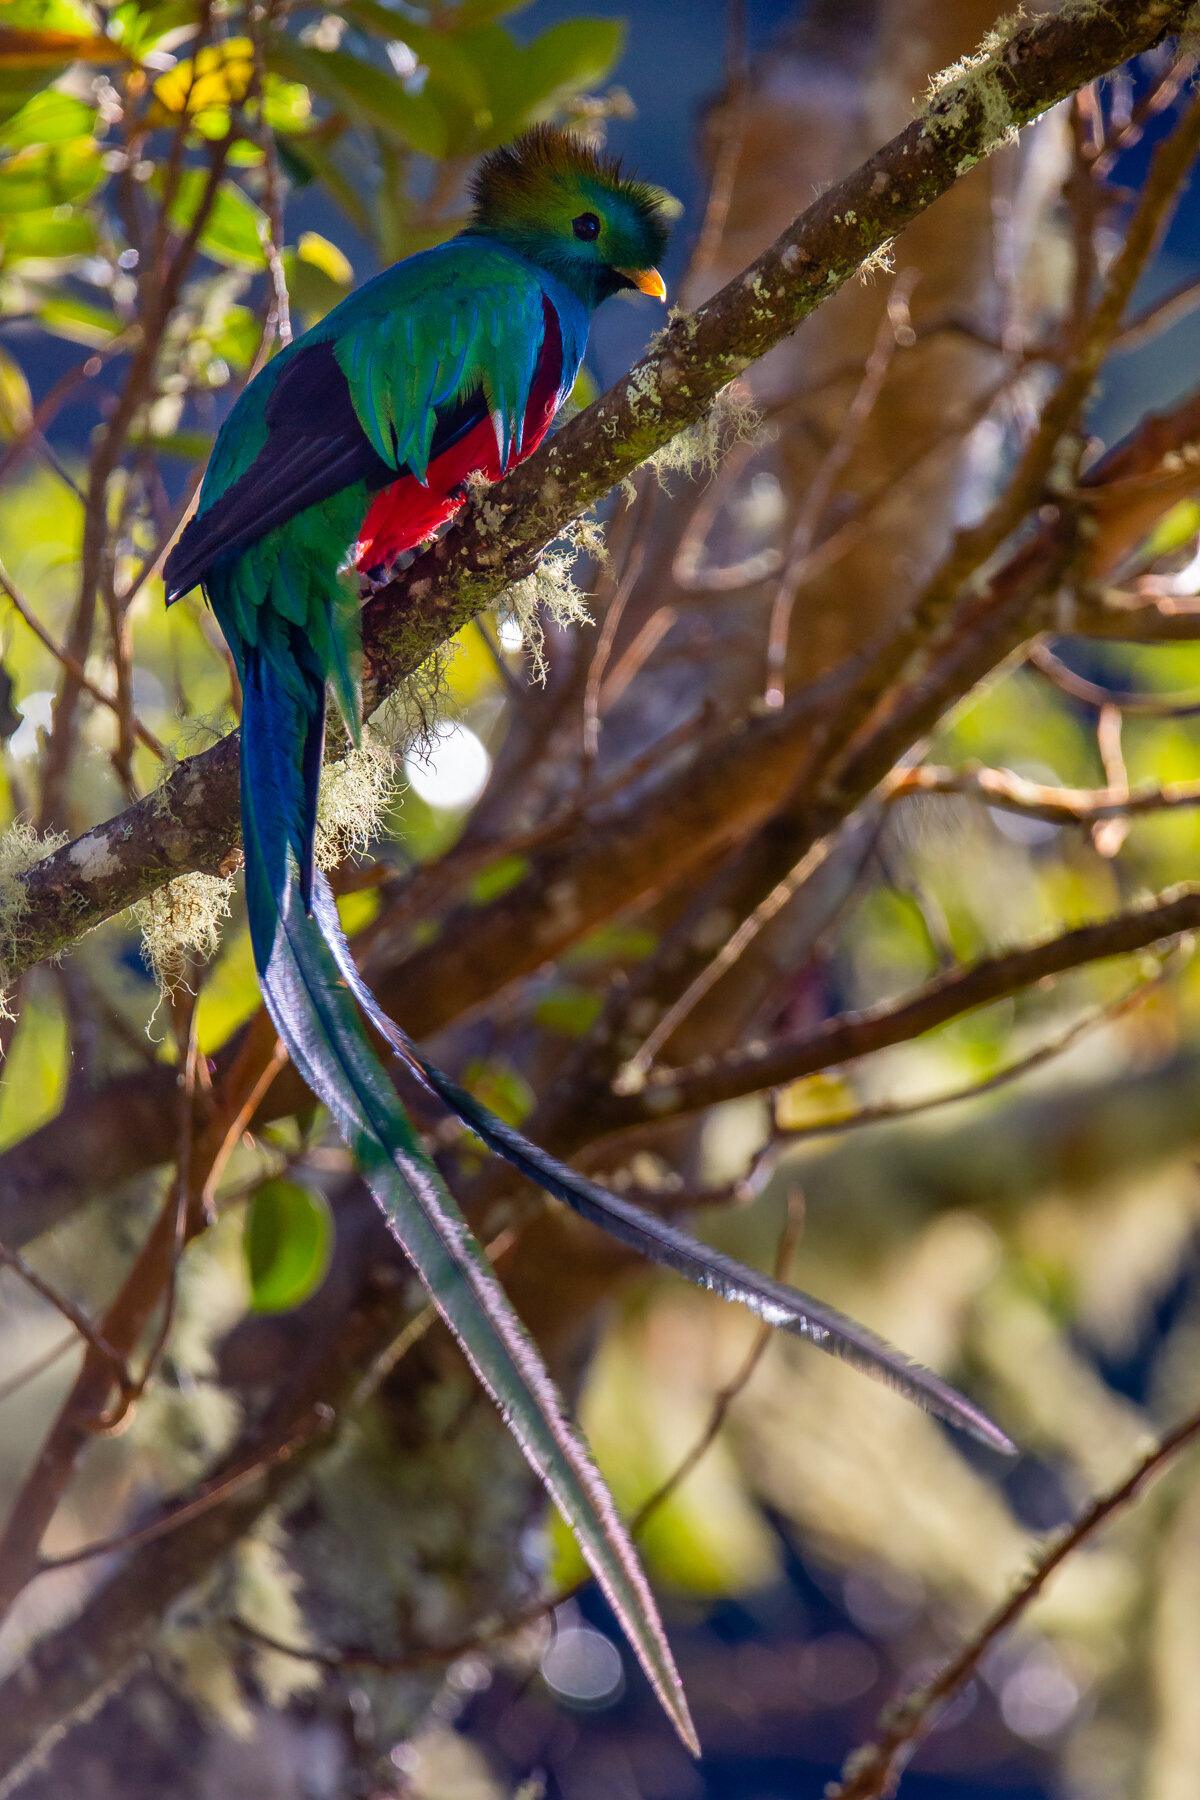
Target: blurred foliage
pixel 289 1243
pixel 1035 1240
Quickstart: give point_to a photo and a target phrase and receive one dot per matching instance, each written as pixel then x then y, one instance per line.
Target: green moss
pixel 972 86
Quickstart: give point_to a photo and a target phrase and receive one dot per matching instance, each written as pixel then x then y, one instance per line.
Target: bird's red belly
pixel 406 514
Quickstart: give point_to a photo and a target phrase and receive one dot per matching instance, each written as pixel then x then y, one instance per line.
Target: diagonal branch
pixel 873 1771
pixel 191 823
pixel 667 1093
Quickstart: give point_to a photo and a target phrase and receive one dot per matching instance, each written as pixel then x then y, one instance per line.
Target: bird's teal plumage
pixel 358 436
pixel 466 316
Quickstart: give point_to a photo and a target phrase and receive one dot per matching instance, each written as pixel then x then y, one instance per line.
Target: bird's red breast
pixel 408 513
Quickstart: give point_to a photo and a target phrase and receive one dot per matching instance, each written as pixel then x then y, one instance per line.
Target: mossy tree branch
pixel 190 823
pixel 597 862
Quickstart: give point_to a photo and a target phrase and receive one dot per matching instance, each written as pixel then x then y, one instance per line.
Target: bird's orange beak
pixel 646 281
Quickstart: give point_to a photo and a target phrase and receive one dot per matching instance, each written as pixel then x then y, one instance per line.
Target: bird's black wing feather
pixel 315 447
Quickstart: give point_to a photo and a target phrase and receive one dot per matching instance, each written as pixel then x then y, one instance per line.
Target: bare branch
pixel 670 1092
pixel 873 1771
pixel 1151 706
pixel 887 1112
pixel 1058 806
pixel 499 540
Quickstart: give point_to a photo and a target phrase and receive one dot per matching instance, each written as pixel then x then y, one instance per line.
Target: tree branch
pixel 667 1093
pixel 873 1771
pixel 191 822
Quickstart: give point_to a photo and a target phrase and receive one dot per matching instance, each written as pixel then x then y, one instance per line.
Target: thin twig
pixel 671 1092
pixel 12 1259
pixel 894 330
pixel 873 1771
pixel 63 657
pixel 57 397
pixel 634 558
pixel 279 316
pixel 1151 706
pixel 789 1237
pixel 635 655
pixel 1057 806
pixel 889 1112
pixel 1108 835
pixel 181 1201
pixel 635 1069
pixel 210 1495
pixel 1161 94
pixel 1176 304
pixel 38 1366
pixel 1060 420
pixel 728 155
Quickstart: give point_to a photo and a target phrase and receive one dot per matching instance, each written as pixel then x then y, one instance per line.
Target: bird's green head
pixel 572 211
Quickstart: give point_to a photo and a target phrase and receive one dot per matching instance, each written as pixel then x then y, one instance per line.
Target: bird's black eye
pixel 586 227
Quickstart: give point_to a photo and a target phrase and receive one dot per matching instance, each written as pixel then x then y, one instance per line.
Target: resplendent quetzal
pixel 350 447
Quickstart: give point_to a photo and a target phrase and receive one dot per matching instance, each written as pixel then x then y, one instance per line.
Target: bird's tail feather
pixel 311 985
pixel 783 1306
pixel 316 1018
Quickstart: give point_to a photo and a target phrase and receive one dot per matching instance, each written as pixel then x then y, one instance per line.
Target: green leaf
pixel 232 234
pixel 238 338
pixel 287 105
pixel 191 446
pixel 498 877
pixel 317 251
pixel 34 1077
pixel 70 16
pixel 78 320
pixel 572 1011
pixel 17 85
pixel 230 994
pixel 137 26
pixel 449 66
pixel 58 232
pixel 288 1243
pixel 501 1088
pixel 578 53
pixel 50 175
pixel 49 118
pixel 569 58
pixel 1177 527
pixel 369 95
pixel 16 402
pixel 318 276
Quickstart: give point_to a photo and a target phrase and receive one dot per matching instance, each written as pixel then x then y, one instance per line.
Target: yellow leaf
pixel 313 248
pixel 817 1100
pixel 217 77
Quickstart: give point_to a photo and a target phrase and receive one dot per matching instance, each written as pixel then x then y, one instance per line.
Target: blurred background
pixel 1012 1196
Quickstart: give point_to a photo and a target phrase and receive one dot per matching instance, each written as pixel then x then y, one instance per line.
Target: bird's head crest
pixel 571 209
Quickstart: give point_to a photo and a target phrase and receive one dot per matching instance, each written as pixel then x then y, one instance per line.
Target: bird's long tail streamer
pixel 311 985
pixel 779 1304
pixel 317 1020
